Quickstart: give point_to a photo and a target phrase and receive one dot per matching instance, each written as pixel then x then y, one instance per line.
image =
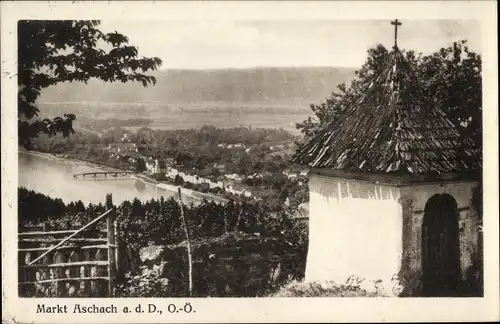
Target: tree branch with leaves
pixel 51 52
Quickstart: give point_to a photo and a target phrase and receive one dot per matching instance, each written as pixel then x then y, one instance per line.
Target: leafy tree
pixel 50 52
pixel 161 176
pixel 450 77
pixel 178 181
pixel 79 207
pixel 140 165
pixel 137 209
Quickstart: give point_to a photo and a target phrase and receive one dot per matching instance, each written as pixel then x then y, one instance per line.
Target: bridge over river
pixel 102 174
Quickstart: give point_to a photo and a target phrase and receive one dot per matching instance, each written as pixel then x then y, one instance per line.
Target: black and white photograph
pixel 249 158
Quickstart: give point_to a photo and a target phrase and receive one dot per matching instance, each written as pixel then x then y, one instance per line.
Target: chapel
pixel 391 186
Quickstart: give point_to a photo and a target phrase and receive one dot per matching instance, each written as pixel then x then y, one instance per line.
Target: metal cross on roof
pixel 396 23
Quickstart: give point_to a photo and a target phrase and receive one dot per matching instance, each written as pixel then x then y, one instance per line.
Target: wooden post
pixel 117 249
pixel 188 245
pixel 111 245
pixel 86 272
pixel 59 257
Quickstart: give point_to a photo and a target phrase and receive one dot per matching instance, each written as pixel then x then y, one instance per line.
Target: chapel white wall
pixel 355 230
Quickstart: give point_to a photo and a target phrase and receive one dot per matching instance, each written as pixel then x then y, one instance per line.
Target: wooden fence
pixel 70 263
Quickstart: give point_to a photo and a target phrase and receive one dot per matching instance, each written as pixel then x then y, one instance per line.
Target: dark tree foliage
pixel 37 207
pixel 450 78
pixel 50 52
pixel 158 221
pixel 178 181
pixel 160 176
pixel 140 165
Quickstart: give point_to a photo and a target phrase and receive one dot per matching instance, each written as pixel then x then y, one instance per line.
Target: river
pixel 53 177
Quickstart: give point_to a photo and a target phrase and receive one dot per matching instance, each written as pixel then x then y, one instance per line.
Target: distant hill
pixel 257 85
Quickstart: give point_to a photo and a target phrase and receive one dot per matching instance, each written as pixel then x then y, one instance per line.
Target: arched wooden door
pixel 441 247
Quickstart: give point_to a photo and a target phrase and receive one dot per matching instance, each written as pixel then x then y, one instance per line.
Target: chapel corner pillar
pixel 405 283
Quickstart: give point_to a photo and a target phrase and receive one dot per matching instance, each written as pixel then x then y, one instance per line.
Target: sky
pixel 245 43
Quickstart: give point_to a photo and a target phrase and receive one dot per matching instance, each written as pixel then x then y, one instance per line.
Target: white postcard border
pixel 17 310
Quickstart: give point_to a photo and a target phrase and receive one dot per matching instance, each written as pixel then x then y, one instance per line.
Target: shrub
pixel 324 289
pixel 160 176
pixel 178 181
pixel 149 283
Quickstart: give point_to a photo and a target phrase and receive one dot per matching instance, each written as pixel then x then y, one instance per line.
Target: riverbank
pixel 185 192
pixel 191 194
pixel 66 158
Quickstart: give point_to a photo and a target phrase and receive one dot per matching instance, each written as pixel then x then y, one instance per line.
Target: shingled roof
pixel 391 127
